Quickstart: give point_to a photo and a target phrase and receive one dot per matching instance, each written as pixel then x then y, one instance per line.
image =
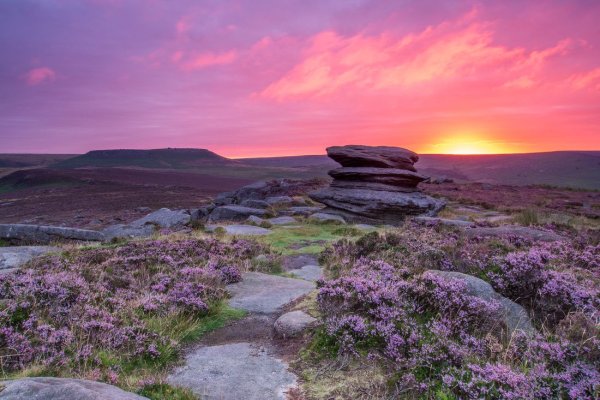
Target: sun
pixel 469 143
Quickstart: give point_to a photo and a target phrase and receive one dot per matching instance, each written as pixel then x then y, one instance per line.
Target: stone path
pixel 242 363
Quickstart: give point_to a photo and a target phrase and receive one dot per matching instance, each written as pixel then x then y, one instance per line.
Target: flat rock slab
pixel 310 273
pixel 127 231
pixel 15 256
pixel 296 261
pixel 62 389
pixel 286 220
pixel 430 221
pixel 245 230
pixel 265 294
pixel 301 210
pixel 324 217
pixel 43 234
pixel 234 213
pixel 514 230
pixel 234 371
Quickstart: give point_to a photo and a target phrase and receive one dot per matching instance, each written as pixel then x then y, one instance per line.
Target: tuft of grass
pixel 4 243
pixel 162 391
pixel 528 217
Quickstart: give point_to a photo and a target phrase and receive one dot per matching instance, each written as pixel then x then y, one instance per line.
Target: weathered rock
pixel 242 230
pixel 375 185
pixel 127 231
pixel 62 389
pixel 201 214
pixel 234 371
pixel 165 218
pixel 293 323
pixel 515 230
pixel 431 221
pixel 300 210
pixel 373 206
pixel 15 256
pixel 279 200
pixel 514 316
pixel 46 234
pixel 295 261
pixel 282 220
pixel 255 203
pixel 310 273
pixel 373 156
pixel 263 189
pixel 254 220
pixel 234 213
pixel 324 217
pixel 266 294
pixel 387 176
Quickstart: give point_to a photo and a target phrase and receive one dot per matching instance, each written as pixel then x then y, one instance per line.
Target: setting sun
pixel 470 143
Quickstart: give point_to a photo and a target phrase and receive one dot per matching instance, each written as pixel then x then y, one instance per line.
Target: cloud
pixel 586 80
pixel 40 75
pixel 204 60
pixel 464 50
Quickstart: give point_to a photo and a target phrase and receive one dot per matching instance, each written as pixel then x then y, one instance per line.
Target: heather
pixel 117 313
pixel 433 340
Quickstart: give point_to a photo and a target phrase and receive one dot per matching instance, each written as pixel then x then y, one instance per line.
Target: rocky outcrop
pixel 265 189
pixel 62 389
pixel 41 234
pixel 375 185
pixel 513 315
pixel 234 213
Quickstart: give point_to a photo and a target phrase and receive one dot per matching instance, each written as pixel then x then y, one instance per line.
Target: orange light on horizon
pixel 470 143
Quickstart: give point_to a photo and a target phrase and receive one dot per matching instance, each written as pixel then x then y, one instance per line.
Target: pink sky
pixel 248 78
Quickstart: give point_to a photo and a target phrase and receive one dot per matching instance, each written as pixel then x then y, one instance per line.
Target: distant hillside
pixel 157 158
pixel 291 161
pixel 566 168
pixel 31 160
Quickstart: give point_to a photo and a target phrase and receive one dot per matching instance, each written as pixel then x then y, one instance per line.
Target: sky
pixel 282 77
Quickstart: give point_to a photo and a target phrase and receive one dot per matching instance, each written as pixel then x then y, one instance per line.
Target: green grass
pixel 306 239
pixel 163 391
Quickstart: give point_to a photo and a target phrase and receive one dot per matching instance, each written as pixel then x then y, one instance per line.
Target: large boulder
pixel 293 323
pixel 164 218
pixel 387 176
pixel 373 156
pixel 41 234
pixel 514 316
pixel 375 185
pixel 62 389
pixel 376 206
pixel 15 256
pixel 234 213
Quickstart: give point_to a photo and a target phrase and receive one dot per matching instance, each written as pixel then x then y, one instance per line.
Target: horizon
pixel 273 79
pixel 306 155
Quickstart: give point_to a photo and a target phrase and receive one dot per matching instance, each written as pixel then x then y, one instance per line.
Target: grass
pixel 308 238
pixel 162 391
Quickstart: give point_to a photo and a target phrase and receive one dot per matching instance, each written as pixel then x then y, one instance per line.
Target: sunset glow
pixel 281 78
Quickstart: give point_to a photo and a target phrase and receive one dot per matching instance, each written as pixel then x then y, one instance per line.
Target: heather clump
pixel 103 312
pixel 434 340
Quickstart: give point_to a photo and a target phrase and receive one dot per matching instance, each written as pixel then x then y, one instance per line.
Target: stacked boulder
pixel 375 185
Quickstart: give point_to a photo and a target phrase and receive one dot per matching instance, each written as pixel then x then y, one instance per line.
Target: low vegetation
pixel 394 332
pixel 118 314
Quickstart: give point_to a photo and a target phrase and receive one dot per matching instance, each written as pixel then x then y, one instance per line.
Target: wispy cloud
pixel 39 75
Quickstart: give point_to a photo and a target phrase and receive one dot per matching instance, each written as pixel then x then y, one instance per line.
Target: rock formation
pixel 375 185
